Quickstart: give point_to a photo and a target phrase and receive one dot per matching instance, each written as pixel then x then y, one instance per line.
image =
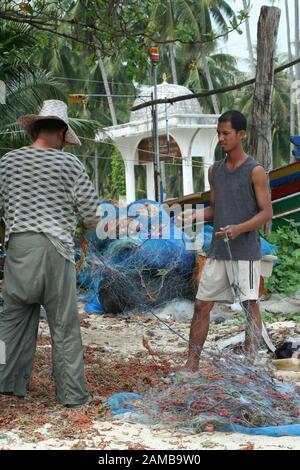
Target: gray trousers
pixel 36 274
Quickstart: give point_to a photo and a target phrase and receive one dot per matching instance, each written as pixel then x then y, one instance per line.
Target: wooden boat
pixel 285 190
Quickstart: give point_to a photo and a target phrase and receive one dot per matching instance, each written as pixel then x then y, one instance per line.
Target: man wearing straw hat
pixel 41 190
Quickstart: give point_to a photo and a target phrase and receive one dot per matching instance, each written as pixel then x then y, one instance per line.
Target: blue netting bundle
pixel 2 260
pixel 140 258
pixel 145 266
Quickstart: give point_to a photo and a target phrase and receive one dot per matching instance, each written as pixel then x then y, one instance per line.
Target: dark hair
pixel 237 119
pixel 48 125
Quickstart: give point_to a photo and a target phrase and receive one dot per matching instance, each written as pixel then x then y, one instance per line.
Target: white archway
pixel 193 132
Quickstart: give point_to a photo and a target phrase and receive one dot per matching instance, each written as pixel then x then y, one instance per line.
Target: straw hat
pixel 51 109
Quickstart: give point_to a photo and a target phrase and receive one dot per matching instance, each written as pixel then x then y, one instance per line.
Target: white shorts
pixel 218 276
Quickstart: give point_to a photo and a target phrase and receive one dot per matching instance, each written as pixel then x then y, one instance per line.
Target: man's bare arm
pixel 209 211
pixel 190 216
pixel 206 214
pixel 263 197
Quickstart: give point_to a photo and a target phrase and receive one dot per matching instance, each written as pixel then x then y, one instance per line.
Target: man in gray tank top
pixel 240 203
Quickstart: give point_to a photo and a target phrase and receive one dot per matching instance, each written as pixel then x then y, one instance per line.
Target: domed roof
pixel 166 90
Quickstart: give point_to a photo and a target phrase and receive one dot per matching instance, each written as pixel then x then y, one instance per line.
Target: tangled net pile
pixel 139 269
pixel 224 395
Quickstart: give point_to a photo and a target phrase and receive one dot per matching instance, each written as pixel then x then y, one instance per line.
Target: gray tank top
pixel 235 202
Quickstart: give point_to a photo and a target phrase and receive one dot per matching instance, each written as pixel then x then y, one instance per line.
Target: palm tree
pixel 170 17
pixel 81 11
pixel 25 95
pixel 223 68
pixel 78 70
pixel 106 86
pixel 165 20
pixel 199 16
pixel 16 49
pixel 291 74
pixel 297 53
pixel 248 35
pixel 26 85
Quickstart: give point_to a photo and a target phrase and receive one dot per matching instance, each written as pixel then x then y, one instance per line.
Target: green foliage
pixel 239 320
pixel 275 317
pixel 115 25
pixel 58 38
pixel 17 46
pixel 117 175
pixel 285 278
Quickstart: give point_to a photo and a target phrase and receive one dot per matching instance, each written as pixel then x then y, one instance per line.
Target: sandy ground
pixel 112 435
pixel 121 338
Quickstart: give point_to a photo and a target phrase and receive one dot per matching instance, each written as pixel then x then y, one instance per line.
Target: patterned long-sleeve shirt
pixel 42 190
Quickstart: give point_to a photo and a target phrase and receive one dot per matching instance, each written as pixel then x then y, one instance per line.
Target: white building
pixel 191 134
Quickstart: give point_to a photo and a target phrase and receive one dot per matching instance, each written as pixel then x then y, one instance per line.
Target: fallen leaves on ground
pixel 105 376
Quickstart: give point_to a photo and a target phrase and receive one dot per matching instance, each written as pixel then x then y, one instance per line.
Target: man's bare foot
pixel 251 358
pixel 191 365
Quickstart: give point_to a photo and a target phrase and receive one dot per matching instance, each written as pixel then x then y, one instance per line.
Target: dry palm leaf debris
pixel 104 375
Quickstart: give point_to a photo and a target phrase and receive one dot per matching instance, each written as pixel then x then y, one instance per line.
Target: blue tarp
pixel 266 247
pixel 93 305
pixel 274 431
pixel 120 403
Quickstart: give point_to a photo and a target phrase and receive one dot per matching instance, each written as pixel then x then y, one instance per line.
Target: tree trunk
pixel 106 86
pixel 249 42
pixel 208 78
pixel 173 64
pixel 96 173
pixel 261 125
pixel 297 52
pixel 291 74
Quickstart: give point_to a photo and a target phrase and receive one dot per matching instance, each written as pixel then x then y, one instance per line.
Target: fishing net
pixel 138 267
pixel 137 270
pixel 226 392
pixel 142 259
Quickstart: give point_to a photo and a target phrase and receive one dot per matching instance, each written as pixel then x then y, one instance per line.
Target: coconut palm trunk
pixel 107 88
pixel 173 64
pixel 249 42
pixel 297 52
pixel 291 75
pixel 96 173
pixel 171 27
pixel 111 109
pixel 209 79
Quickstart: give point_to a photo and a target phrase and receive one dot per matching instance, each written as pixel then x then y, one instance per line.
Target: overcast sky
pixel 237 44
